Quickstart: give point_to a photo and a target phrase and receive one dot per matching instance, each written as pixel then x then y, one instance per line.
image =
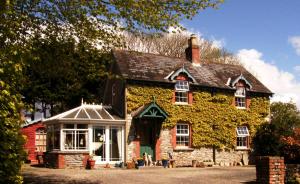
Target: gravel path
pixel 214 175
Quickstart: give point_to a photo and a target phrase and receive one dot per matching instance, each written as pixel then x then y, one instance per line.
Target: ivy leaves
pixel 213 118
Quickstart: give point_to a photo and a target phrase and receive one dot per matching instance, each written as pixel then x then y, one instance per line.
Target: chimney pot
pixel 193 51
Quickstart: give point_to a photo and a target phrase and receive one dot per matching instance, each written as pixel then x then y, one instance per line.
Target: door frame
pixel 106 143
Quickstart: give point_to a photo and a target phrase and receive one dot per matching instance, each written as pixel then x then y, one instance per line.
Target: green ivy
pixel 213 117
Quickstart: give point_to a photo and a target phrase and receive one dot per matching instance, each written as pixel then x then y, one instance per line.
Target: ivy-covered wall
pixel 213 117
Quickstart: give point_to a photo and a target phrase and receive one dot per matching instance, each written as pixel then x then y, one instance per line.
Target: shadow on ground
pixel 250 182
pixel 53 179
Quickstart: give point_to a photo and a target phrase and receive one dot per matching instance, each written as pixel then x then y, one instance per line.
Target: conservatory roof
pixel 87 112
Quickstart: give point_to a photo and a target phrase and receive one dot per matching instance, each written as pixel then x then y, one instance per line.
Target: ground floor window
pixel 182 135
pixel 40 140
pixel 75 137
pixel 242 140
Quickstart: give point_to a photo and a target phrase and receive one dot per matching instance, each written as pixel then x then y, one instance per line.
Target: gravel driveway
pixel 212 175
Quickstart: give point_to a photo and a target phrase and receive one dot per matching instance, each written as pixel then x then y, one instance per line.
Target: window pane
pixel 68 126
pixel 40 140
pixel 98 144
pixel 241 92
pixel 242 131
pixel 182 135
pixel 240 102
pixel 69 139
pixel 82 126
pixel 115 143
pixel 182 85
pixel 81 142
pixel 181 96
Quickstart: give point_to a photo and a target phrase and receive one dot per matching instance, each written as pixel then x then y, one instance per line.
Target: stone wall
pixel 270 170
pixel 293 172
pixel 61 160
pixel 184 157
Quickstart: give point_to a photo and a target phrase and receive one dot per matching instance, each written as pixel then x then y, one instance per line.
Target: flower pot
pixel 165 163
pixel 91 164
pixel 140 163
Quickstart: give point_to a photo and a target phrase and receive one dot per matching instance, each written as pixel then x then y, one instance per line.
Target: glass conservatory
pixel 87 130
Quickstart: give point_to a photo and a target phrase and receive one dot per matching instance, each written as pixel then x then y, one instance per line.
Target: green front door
pixel 147 138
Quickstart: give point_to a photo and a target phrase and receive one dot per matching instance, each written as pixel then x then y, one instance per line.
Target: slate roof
pixel 152 67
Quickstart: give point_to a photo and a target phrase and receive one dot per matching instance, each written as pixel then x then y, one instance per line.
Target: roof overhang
pixel 151 110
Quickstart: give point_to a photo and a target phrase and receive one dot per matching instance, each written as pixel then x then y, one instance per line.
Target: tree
pixel 62 72
pixel 281 135
pixel 174 45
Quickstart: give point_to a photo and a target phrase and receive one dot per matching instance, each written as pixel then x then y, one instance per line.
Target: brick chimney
pixel 193 50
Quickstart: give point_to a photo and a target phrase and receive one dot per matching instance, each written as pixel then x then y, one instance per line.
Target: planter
pixel 165 163
pixel 140 163
pixel 91 164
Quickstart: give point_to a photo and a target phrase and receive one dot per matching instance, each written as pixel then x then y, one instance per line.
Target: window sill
pixel 181 103
pixel 183 149
pixel 243 108
pixel 242 149
pixel 69 151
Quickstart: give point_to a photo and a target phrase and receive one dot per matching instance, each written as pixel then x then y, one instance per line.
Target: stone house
pixel 185 107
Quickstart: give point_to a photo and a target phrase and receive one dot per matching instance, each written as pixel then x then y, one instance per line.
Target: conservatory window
pixel 53 137
pixel 240 98
pixel 75 137
pixel 182 135
pixel 242 141
pixel 181 92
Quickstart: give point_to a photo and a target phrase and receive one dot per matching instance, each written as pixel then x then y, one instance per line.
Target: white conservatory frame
pixel 92 117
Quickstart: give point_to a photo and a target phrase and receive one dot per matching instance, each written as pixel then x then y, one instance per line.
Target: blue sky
pixel 267 31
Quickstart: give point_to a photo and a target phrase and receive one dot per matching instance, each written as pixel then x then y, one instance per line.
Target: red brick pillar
pixel 60 161
pixel 270 170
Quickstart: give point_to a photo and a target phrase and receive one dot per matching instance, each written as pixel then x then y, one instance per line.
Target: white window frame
pixel 40 140
pixel 75 133
pixel 242 137
pixel 183 135
pixel 182 92
pixel 240 98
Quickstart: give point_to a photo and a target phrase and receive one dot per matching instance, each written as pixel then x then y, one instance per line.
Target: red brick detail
pixel 137 148
pixel 270 170
pixel 248 101
pixel 29 146
pixel 157 149
pixel 84 161
pixel 182 77
pixel 190 97
pixel 60 161
pixel 195 54
pixel 173 137
pixel 191 133
pixel 173 97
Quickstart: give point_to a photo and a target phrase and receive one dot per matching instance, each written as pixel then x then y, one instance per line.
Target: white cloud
pixel 297 68
pixel 282 83
pixel 295 41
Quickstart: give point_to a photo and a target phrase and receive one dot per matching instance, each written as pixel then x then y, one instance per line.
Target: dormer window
pixel 181 92
pixel 240 97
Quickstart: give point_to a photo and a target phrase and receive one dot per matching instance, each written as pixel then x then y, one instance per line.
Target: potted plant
pixel 140 162
pixel 91 162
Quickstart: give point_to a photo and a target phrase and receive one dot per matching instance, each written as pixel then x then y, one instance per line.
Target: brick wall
pixel 270 170
pixel 29 132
